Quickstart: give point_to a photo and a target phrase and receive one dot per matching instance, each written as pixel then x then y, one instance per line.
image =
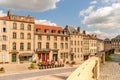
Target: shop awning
pixel 13 52
pixel 26 54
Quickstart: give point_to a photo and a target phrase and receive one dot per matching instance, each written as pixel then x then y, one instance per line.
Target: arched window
pixel 22 35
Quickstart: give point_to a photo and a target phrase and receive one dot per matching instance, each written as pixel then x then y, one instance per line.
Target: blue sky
pixel 95 16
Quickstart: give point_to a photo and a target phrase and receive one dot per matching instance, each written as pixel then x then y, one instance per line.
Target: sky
pixel 101 17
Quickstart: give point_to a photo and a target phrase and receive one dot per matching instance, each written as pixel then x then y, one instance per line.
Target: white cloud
pixel 2 14
pixel 45 22
pixel 105 1
pixel 103 35
pixel 30 5
pixel 87 11
pixel 104 17
pixel 93 2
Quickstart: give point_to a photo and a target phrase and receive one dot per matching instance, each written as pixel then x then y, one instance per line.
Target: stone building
pixel 115 42
pixel 92 44
pixel 76 44
pixel 100 45
pixel 51 43
pixel 16 38
pixel 107 44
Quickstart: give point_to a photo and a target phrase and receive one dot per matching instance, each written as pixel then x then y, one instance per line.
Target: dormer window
pixel 14 17
pixel 22 18
pixel 38 30
pixel 46 31
pixel 53 31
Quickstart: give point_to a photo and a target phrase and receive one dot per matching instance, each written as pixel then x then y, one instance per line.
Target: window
pixel 66 38
pixel 66 55
pixel 4 22
pixel 29 27
pixel 47 45
pixel 14 17
pixel 14 26
pixel 55 45
pixel 71 49
pixel 55 38
pixel 38 30
pixel 21 46
pixel 46 31
pixel 75 43
pixel 22 35
pixel 62 38
pixel 14 35
pixel 74 49
pixel 4 29
pixel 39 37
pixel 4 37
pixel 53 31
pixel 48 37
pixel 71 42
pixel 14 46
pixel 29 36
pixel 22 18
pixel 3 47
pixel 66 45
pixel 39 45
pixel 29 46
pixel 22 26
pixel 62 55
pixel 61 46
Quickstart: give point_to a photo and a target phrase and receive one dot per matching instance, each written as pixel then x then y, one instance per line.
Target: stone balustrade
pixel 89 70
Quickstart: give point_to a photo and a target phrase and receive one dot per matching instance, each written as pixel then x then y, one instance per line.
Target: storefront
pixel 25 57
pixel 55 55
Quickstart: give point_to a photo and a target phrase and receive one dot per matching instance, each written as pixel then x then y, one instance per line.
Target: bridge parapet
pixel 89 70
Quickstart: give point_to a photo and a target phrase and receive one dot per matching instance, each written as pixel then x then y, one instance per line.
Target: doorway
pixel 13 57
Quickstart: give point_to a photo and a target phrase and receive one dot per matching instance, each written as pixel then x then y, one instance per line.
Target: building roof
pixel 116 38
pixel 12 17
pixel 48 27
pixel 107 39
pixel 70 29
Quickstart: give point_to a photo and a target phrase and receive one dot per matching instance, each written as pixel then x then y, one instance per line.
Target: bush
pixel 67 62
pixel 73 62
pixel 108 58
pixel 2 69
pixel 32 65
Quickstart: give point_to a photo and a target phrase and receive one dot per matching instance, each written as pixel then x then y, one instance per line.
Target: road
pixel 35 74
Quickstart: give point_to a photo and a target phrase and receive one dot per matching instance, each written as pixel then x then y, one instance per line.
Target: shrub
pixel 67 62
pixel 73 62
pixel 32 65
pixel 2 69
pixel 108 58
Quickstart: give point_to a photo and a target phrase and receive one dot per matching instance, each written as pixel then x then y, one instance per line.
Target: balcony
pixel 43 50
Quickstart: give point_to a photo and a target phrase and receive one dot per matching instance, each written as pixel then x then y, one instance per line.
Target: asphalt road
pixel 35 74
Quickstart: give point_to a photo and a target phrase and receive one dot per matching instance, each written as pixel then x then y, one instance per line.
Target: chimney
pixel 8 13
pixel 78 29
pixel 84 32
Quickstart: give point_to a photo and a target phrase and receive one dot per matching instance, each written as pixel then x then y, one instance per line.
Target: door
pixel 43 57
pixel 55 57
pixel 13 57
pixel 71 57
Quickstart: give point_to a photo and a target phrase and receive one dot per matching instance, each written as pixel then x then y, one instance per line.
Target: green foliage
pixel 2 69
pixel 108 58
pixel 32 65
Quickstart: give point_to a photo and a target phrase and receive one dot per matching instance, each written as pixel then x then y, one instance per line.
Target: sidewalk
pixel 11 69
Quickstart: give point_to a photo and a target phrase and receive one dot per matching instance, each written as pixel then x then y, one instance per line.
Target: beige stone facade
pixel 100 45
pixel 51 43
pixel 21 40
pixel 17 33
